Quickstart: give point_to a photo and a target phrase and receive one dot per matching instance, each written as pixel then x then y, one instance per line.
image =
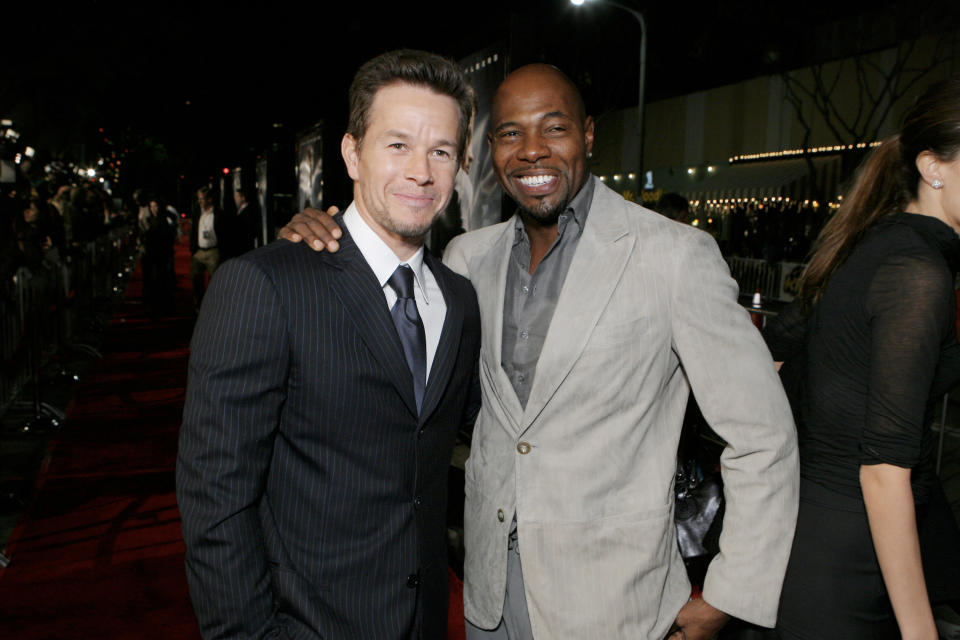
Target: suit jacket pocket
pixel 616 577
pixel 300 604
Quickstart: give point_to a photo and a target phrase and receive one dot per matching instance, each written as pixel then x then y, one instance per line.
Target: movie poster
pixel 262 200
pixel 476 199
pixel 310 167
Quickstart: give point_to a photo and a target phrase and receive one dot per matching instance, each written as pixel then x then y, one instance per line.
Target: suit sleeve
pixel 235 389
pixel 735 383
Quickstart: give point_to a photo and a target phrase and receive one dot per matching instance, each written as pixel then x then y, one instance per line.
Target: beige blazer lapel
pixel 601 256
pixel 490 282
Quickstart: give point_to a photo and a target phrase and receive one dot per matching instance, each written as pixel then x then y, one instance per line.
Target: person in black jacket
pixel 240 229
pixel 159 233
pixel 869 346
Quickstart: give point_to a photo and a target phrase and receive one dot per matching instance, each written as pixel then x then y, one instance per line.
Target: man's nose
pixel 533 148
pixel 418 169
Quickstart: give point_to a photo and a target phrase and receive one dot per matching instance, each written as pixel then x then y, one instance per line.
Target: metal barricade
pixel 44 315
pixel 14 370
pixel 753 275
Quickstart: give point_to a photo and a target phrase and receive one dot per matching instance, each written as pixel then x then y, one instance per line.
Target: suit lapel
pixel 448 347
pixel 361 295
pixel 490 293
pixel 599 261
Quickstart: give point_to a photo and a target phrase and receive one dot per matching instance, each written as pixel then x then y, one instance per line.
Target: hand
pixel 316 228
pixel 697 620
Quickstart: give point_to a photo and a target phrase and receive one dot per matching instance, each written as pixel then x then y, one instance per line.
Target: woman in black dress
pixel 869 346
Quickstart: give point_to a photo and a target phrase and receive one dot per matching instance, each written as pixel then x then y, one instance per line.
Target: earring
pixel 937 184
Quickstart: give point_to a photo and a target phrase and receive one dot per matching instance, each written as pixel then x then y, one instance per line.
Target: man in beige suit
pixel 598 318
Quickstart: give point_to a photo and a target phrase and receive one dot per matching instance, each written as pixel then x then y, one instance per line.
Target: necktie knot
pixel 402 281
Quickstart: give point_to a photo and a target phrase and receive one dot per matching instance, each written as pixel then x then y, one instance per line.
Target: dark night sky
pixel 131 68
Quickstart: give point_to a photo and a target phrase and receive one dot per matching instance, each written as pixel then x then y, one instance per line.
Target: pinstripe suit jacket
pixel 648 310
pixel 309 488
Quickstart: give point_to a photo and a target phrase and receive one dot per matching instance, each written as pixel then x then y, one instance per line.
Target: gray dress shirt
pixel 530 299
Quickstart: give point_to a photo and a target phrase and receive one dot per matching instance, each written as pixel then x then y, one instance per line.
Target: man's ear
pixel 350 150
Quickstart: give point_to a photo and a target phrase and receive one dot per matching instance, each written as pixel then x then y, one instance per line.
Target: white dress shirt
pixel 383 261
pixel 206 236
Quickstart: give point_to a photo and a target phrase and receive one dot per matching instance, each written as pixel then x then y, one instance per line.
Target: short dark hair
pixel 417 68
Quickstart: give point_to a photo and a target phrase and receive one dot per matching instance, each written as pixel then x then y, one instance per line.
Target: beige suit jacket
pixel 648 310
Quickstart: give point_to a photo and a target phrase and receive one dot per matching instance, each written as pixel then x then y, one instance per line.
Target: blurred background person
pixel 205 233
pixel 674 206
pixel 33 235
pixel 239 230
pixel 159 232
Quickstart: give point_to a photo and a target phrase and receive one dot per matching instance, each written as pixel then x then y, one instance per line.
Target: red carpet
pixel 99 554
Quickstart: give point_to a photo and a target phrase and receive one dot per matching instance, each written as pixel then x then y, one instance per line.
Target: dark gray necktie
pixel 407 320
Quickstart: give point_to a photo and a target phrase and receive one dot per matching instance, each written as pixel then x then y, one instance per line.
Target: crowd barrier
pixel 45 315
pixel 757 275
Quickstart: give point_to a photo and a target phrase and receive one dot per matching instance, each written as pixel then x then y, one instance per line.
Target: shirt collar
pixel 378 255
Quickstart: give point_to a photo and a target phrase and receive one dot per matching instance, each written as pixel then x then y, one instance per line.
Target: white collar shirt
pixel 206 235
pixel 383 261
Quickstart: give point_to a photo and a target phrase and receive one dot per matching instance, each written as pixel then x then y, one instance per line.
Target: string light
pixel 791 153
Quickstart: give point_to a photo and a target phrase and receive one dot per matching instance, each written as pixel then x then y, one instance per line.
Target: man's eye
pixel 398 145
pixel 441 153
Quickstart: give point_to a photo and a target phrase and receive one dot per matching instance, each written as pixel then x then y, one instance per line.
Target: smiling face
pixel 403 167
pixel 539 139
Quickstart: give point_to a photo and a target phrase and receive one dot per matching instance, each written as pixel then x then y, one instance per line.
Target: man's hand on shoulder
pixel 697 620
pixel 316 228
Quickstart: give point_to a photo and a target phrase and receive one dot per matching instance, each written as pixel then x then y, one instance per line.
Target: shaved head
pixel 540 75
pixel 540 138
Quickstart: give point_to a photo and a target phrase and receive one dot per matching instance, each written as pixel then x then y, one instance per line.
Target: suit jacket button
pixel 500 515
pixel 413 581
pixel 417 501
pixel 523 448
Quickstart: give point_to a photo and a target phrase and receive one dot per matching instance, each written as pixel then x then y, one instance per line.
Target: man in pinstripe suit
pixel 325 392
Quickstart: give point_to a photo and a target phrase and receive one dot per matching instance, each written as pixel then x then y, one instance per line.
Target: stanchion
pixel 44 415
pixel 61 326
